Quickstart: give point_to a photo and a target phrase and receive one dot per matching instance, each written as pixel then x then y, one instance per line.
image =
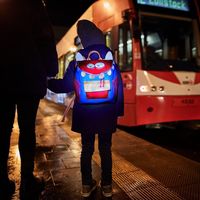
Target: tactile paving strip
pixel 136 183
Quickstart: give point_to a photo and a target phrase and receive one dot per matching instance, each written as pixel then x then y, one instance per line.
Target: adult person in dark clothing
pixel 92 119
pixel 28 57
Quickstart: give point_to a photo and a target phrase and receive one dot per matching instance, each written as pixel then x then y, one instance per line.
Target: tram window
pixel 61 67
pixel 167 42
pixel 68 58
pixel 108 39
pixel 63 63
pixel 125 58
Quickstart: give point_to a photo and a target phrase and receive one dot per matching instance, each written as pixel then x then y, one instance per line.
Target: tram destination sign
pixel 171 4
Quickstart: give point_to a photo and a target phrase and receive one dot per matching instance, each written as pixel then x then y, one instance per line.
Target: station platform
pixel 141 170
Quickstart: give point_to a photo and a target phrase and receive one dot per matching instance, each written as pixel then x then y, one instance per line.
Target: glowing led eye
pixel 99 65
pixel 90 65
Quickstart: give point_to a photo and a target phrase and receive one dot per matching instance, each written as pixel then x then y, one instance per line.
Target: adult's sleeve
pixel 66 84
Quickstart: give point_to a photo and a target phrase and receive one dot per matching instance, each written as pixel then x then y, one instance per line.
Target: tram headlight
pixel 144 88
pixel 153 88
pixel 161 88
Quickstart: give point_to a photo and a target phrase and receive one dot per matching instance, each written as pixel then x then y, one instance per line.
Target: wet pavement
pixel 57 158
pixel 141 170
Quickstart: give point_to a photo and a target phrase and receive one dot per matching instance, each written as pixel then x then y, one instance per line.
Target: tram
pixel 156 44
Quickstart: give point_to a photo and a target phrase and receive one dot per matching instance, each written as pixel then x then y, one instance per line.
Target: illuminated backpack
pixel 95 77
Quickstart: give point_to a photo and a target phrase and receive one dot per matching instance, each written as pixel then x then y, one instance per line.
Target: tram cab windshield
pixel 169 39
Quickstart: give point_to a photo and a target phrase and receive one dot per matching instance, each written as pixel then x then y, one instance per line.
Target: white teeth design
pixel 83 74
pixel 91 76
pixel 101 75
pixel 109 72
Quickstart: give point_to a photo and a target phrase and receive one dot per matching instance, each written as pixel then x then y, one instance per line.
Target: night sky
pixel 66 12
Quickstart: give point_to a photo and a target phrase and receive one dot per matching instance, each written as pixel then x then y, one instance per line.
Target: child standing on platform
pixel 92 119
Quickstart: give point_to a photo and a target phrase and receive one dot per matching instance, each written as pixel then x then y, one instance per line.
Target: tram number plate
pixel 185 102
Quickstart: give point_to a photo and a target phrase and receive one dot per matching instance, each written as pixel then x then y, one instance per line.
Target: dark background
pixel 64 13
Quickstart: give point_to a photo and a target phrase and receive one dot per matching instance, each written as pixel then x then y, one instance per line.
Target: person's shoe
pixel 88 189
pixel 31 188
pixel 7 188
pixel 107 190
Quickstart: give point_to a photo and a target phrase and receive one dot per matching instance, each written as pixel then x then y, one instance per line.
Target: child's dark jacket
pixel 89 118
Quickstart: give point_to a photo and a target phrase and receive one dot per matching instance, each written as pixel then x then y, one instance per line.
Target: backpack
pixel 96 78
